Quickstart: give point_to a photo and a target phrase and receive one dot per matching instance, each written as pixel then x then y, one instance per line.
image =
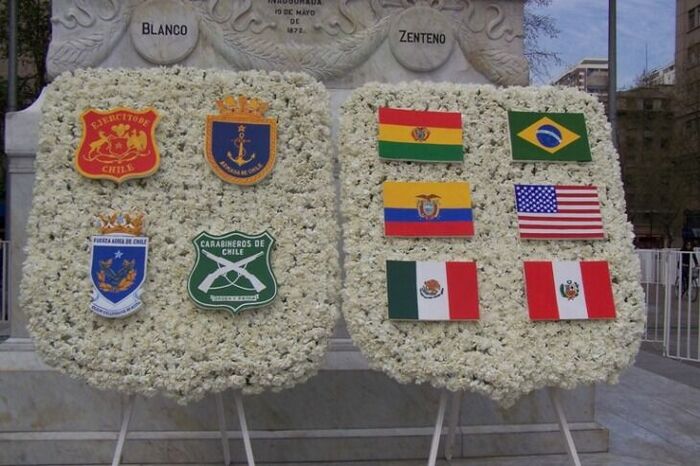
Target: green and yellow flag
pixel 551 137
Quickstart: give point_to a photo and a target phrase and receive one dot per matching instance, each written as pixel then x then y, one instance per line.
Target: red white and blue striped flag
pixel 558 212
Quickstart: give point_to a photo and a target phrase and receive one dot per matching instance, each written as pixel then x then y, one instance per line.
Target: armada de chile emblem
pixel 240 142
pixel 118 265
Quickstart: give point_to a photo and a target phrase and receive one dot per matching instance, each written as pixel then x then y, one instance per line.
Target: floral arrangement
pixel 169 346
pixel 503 355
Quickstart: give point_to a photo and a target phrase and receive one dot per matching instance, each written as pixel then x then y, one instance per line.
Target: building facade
pixel 688 108
pixel 589 75
pixel 653 191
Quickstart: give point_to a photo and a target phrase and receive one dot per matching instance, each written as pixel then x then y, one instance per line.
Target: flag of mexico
pixel 432 290
pixel 568 290
pixel 420 136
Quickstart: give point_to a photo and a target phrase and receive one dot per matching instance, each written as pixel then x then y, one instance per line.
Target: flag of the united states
pixel 558 212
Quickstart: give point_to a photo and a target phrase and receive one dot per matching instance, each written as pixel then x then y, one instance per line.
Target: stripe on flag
pixel 423 136
pixel 427 209
pixel 558 212
pixel 564 290
pixel 432 290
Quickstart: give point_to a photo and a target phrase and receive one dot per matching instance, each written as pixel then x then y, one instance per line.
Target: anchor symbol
pixel 240 142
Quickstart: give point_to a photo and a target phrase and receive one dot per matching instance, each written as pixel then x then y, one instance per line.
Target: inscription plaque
pixel 164 32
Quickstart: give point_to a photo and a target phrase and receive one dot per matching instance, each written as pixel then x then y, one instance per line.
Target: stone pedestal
pixel 22 133
pixel 347 412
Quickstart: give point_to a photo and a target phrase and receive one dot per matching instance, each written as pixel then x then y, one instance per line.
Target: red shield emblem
pixel 118 144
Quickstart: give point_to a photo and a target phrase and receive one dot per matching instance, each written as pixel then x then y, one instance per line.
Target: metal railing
pixel 4 288
pixel 671 287
pixel 653 281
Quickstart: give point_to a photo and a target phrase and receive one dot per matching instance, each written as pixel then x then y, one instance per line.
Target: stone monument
pixel 341 42
pixel 347 412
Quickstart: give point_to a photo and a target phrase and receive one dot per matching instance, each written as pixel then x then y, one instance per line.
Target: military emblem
pixel 569 290
pixel 118 265
pixel 431 289
pixel 232 271
pixel 428 206
pixel 118 144
pixel 241 143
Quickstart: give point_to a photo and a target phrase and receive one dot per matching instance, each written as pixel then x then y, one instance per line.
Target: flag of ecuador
pixel 551 137
pixel 420 136
pixel 420 209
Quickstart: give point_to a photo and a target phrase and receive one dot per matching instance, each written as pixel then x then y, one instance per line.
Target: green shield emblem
pixel 232 271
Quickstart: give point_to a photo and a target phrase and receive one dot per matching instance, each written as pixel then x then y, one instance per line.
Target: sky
pixel 584 33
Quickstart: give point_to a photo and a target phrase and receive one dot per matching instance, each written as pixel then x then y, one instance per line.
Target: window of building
pixel 693 55
pixel 693 18
pixel 648 104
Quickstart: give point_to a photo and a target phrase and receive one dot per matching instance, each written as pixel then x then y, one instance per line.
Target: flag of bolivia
pixel 432 290
pixel 420 136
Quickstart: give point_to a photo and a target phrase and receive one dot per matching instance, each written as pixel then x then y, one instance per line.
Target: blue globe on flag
pixel 548 136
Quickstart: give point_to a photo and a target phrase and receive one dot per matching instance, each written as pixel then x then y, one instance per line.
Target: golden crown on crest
pixel 242 105
pixel 130 224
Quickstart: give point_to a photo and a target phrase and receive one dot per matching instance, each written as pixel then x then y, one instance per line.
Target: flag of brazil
pixel 551 137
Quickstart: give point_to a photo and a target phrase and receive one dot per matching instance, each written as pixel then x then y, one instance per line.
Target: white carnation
pixel 504 355
pixel 169 345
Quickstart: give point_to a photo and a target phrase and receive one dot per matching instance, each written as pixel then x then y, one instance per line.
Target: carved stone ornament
pixel 343 41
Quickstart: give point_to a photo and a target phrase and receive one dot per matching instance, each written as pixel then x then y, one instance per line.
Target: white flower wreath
pixel 504 355
pixel 170 346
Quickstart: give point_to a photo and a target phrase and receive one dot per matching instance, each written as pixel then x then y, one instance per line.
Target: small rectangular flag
pixel 432 290
pixel 569 290
pixel 550 137
pixel 419 209
pixel 558 212
pixel 420 136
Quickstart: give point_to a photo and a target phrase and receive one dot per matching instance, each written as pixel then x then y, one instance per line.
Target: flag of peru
pixel 569 290
pixel 432 290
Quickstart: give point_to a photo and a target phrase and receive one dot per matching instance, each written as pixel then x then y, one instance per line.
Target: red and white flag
pixel 569 290
pixel 558 212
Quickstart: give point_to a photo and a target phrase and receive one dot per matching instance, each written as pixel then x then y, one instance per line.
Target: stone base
pixel 347 412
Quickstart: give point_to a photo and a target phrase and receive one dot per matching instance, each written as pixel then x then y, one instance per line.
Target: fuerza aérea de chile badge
pixel 232 271
pixel 118 265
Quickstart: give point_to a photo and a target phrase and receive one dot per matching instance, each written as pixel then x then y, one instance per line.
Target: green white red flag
pixel 432 290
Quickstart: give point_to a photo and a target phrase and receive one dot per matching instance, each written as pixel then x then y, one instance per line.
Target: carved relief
pixel 95 28
pixel 327 39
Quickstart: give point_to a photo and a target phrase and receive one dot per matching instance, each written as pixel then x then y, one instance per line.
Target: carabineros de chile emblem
pixel 118 144
pixel 118 265
pixel 241 143
pixel 232 271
